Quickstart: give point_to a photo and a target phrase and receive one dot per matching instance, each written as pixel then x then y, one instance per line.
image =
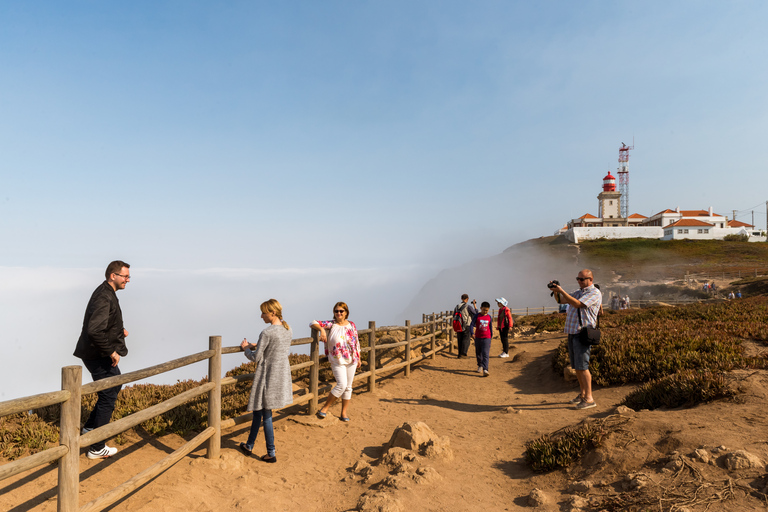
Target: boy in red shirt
pixel 482 332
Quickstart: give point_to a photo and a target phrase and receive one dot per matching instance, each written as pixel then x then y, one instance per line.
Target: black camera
pixel 551 286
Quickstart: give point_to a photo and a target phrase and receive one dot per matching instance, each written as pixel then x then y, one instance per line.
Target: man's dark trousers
pixel 462 340
pixel 105 404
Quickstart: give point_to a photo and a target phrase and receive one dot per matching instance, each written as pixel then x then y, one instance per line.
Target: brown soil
pixel 487 421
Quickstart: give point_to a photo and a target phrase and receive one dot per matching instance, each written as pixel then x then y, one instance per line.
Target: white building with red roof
pixel 668 224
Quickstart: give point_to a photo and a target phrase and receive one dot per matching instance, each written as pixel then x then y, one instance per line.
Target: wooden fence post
pixel 314 371
pixel 432 327
pixel 69 436
pixel 408 348
pixel 372 357
pixel 214 398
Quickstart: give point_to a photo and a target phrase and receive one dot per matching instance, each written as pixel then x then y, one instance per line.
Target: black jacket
pixel 102 331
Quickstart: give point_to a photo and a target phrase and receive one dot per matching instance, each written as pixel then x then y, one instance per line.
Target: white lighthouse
pixel 609 203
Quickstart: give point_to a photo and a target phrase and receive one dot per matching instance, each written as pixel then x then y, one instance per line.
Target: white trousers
pixel 345 376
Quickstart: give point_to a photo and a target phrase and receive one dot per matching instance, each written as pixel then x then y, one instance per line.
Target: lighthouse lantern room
pixel 609 203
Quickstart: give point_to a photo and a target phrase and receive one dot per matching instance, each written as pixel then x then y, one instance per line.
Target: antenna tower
pixel 623 172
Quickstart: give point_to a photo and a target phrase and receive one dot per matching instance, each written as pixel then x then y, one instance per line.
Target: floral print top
pixel 342 345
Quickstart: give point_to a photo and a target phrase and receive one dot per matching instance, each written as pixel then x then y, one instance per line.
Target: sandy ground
pixel 487 421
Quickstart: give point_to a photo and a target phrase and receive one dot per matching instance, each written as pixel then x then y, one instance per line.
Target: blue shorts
pixel 578 352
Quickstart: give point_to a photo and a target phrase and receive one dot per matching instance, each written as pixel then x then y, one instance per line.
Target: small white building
pixel 689 229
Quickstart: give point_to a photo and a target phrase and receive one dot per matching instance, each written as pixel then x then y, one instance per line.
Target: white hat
pixel 502 301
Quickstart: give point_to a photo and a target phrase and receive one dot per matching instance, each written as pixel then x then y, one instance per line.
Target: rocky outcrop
pixel 401 467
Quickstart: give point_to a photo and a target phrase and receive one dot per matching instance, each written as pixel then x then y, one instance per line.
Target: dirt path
pixel 487 420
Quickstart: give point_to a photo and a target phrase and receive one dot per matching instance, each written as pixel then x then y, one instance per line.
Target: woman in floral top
pixel 342 348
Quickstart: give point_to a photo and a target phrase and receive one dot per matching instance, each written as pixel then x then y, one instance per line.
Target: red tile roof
pixel 637 216
pixel 689 223
pixel 695 213
pixel 739 224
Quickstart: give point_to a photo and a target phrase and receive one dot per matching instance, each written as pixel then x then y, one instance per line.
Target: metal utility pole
pixel 623 172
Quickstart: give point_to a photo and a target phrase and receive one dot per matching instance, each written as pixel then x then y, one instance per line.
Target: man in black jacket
pixel 101 344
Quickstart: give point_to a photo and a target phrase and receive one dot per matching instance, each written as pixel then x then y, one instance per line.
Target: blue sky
pixel 386 139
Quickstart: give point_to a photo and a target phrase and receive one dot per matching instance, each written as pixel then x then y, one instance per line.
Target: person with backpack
pixel 482 332
pixel 463 314
pixel 504 324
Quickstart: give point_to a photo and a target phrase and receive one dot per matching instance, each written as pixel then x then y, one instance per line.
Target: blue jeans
pixel 269 433
pixel 578 353
pixel 483 352
pixel 105 403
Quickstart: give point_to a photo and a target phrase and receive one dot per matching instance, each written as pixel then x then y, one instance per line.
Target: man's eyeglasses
pixel 580 279
pixel 128 276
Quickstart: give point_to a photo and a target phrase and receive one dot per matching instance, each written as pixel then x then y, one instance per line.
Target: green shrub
pixel 561 449
pixel 686 388
pixel 25 434
pixel 543 321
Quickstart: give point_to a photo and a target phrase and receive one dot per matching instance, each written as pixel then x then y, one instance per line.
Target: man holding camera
pixel 584 303
pixel 467 312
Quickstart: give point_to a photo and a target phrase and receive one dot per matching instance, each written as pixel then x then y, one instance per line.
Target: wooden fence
pixel 67 453
pixel 729 275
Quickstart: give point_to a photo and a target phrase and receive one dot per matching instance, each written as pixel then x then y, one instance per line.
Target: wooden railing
pixel 70 439
pixel 730 275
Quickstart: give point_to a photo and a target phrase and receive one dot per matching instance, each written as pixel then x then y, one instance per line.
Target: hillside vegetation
pixel 647 259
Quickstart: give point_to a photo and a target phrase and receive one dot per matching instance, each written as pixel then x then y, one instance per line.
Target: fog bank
pixel 171 313
pixel 520 274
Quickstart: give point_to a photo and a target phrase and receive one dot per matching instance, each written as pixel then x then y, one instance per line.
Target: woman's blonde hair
pixel 274 307
pixel 342 305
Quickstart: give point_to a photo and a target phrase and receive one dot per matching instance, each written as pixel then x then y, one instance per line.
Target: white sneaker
pixel 485 373
pixel 504 354
pixel 479 369
pixel 104 453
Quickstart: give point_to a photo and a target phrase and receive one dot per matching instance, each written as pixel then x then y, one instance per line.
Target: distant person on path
pixel 731 295
pixel 468 312
pixel 272 387
pixel 738 294
pixel 342 347
pixel 626 301
pixel 101 345
pixel 584 302
pixel 504 324
pixel 482 332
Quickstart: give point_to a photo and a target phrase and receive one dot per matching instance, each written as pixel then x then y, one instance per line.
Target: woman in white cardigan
pixel 272 379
